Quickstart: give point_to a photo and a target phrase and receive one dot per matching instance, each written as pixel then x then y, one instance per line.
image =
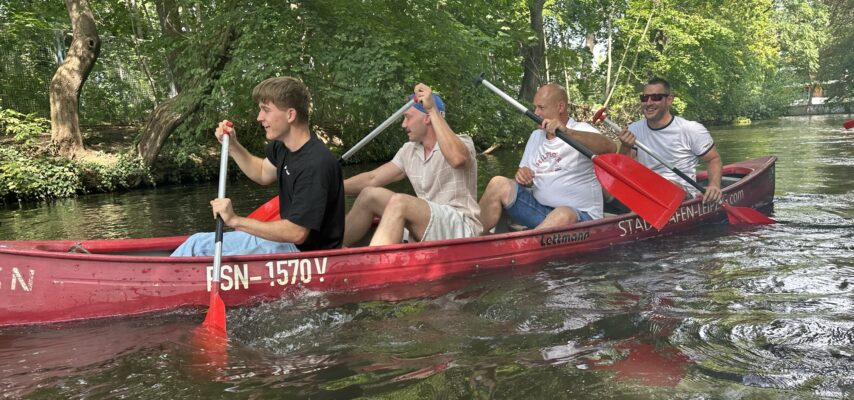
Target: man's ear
pixel 292 115
pixel 427 119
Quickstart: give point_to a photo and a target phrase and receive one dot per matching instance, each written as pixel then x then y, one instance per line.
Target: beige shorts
pixel 447 223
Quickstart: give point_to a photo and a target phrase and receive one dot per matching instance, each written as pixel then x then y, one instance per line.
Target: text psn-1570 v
pixel 280 273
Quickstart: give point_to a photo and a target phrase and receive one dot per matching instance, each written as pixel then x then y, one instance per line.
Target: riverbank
pixel 30 171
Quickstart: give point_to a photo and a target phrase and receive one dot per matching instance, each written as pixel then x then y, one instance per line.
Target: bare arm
pixel 380 176
pixel 714 167
pixel 597 143
pixel 279 231
pixel 453 149
pixel 260 170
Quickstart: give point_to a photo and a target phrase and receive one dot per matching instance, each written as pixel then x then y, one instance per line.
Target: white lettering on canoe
pixel 321 269
pixel 632 226
pixel 18 280
pixel 735 197
pixel 684 213
pixel 289 272
pixel 279 273
pixel 231 277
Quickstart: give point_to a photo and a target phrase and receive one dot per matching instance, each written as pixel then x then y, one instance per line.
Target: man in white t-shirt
pixel 680 142
pixel 555 184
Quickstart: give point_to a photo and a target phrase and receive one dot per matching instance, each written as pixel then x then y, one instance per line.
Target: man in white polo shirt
pixel 555 184
pixel 442 168
pixel 680 142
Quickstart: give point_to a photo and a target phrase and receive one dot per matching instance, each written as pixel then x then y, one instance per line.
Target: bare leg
pixel 402 210
pixel 371 202
pixel 561 216
pixel 494 198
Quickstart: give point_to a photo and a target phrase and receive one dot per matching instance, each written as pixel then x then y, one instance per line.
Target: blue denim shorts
pixel 526 210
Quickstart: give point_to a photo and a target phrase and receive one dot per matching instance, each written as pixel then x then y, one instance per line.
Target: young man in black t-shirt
pixel 311 189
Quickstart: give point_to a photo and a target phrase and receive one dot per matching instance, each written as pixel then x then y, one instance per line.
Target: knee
pixel 498 187
pixel 563 216
pixel 396 205
pixel 367 197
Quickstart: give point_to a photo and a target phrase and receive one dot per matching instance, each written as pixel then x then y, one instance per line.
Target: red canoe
pixel 52 281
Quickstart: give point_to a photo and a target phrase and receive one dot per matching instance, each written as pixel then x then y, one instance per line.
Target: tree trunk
pixel 170 26
pixel 171 113
pixel 67 82
pixel 533 53
pixel 610 58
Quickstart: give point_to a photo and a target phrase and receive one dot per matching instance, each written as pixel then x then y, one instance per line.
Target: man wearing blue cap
pixel 442 168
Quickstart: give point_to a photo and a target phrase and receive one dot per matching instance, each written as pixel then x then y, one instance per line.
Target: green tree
pixel 837 58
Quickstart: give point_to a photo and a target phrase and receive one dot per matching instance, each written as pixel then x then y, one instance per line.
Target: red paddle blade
pixel 268 211
pixel 215 320
pixel 746 215
pixel 848 124
pixel 643 191
pixel 210 357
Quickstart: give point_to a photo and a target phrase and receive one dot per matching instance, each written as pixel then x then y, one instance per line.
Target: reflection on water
pixel 716 313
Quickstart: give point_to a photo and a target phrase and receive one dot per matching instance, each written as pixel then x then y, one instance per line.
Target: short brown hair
pixel 284 92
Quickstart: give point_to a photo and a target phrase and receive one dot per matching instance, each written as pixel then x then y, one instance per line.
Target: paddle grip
pixel 220 225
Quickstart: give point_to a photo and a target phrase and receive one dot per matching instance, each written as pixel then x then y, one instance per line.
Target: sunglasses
pixel 654 97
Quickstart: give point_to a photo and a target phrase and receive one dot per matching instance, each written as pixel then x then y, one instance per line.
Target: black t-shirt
pixel 311 191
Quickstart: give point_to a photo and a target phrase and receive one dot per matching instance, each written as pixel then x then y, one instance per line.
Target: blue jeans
pixel 233 243
pixel 527 211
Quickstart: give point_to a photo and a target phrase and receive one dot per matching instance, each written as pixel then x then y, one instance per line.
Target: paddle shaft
pixel 377 130
pixel 539 120
pixel 223 169
pixel 658 158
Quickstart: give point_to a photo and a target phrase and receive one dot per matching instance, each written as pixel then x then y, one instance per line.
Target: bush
pixel 126 172
pixel 26 128
pixel 27 178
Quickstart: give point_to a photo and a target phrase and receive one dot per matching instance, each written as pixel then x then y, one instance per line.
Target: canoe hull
pixel 42 282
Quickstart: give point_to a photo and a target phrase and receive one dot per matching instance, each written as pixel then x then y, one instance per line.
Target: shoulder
pixel 639 123
pixel 274 150
pixel 581 126
pixel 537 135
pixel 319 156
pixel 690 126
pixel 467 140
pixel 407 147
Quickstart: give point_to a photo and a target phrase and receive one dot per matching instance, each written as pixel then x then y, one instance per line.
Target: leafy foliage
pixel 27 178
pixel 26 128
pixel 837 58
pixel 725 59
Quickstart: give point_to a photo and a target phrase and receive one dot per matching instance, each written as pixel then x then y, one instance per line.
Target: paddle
pixel 269 211
pixel 646 193
pixel 735 215
pixel 215 320
pixel 848 124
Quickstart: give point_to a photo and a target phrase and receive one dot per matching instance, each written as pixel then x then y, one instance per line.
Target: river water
pixel 766 312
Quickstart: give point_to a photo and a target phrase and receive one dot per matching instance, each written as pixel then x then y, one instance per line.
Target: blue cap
pixel 440 105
